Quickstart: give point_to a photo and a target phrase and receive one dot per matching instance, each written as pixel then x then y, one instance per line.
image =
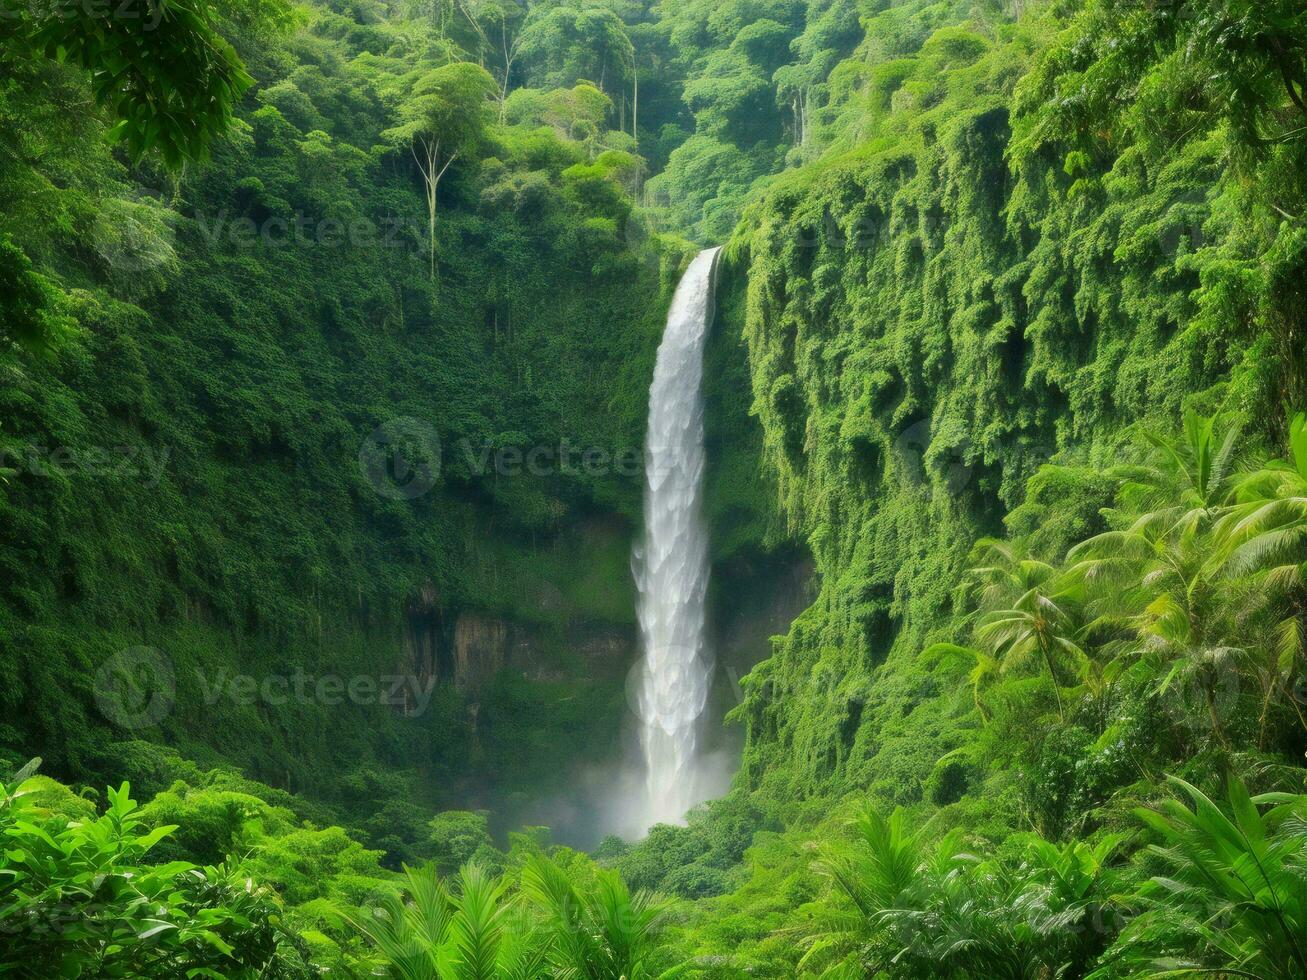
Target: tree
pixel 504 19
pixel 159 66
pixel 30 313
pixel 900 906
pixel 1160 580
pixel 80 897
pixel 1231 901
pixel 1265 536
pixel 1026 612
pixel 984 669
pixel 1037 623
pixel 575 114
pixel 444 117
pixel 456 836
pixel 884 866
pixel 567 45
pixel 1181 612
pixel 1184 481
pixel 474 928
pixel 472 931
pixel 1267 526
pixel 602 931
pixel 1152 69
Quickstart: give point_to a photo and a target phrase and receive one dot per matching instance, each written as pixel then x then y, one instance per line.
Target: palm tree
pixel 1186 621
pixel 1036 625
pixel 1039 918
pixel 883 867
pixel 1265 538
pixel 1025 612
pixel 471 932
pixel 901 907
pixel 599 933
pixel 999 571
pixel 1184 481
pixel 984 669
pixel 1160 588
pixel 1232 901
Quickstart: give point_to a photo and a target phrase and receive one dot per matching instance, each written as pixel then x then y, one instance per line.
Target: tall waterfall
pixel 671 567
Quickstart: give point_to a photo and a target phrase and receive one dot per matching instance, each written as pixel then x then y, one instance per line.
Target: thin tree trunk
pixel 1215 719
pixel 431 179
pixel 431 212
pixel 1052 675
pixel 510 55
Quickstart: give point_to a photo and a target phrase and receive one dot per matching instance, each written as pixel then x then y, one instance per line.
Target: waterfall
pixel 671 565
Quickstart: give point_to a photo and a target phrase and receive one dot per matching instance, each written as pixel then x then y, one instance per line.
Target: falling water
pixel 671 567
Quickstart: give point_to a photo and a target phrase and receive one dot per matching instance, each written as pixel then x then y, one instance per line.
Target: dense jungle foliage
pixel 1009 345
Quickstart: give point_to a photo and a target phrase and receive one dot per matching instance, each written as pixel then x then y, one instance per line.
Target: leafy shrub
pixel 1230 895
pixel 78 897
pixel 476 926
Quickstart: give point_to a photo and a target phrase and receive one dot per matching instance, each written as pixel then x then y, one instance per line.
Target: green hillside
pixel 326 336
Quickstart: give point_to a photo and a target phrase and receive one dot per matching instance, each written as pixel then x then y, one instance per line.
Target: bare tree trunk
pixel 428 163
pixel 1052 675
pixel 431 150
pixel 635 109
pixel 510 56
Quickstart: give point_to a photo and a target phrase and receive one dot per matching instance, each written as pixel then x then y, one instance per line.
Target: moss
pixel 931 318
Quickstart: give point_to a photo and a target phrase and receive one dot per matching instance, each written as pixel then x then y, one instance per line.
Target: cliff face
pixel 292 462
pixel 927 321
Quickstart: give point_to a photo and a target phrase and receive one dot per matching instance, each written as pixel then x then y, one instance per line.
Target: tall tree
pixel 498 25
pixel 567 45
pixel 444 118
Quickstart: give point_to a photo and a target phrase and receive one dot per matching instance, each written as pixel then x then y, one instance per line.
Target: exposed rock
pixel 420 656
pixel 481 646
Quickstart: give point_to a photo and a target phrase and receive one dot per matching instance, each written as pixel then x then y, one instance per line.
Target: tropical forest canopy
pixel 326 333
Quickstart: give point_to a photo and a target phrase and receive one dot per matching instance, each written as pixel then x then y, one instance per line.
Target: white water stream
pixel 671 566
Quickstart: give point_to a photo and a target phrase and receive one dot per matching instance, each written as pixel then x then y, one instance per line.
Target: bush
pixel 78 898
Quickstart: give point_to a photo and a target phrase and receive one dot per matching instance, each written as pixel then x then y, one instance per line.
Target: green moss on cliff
pixel 932 316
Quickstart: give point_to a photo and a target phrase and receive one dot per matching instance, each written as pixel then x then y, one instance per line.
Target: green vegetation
pixel 86 893
pixel 959 299
pixel 79 898
pixel 1009 342
pixel 227 344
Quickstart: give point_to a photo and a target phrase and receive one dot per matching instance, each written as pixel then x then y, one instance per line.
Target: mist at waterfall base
pixel 611 799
